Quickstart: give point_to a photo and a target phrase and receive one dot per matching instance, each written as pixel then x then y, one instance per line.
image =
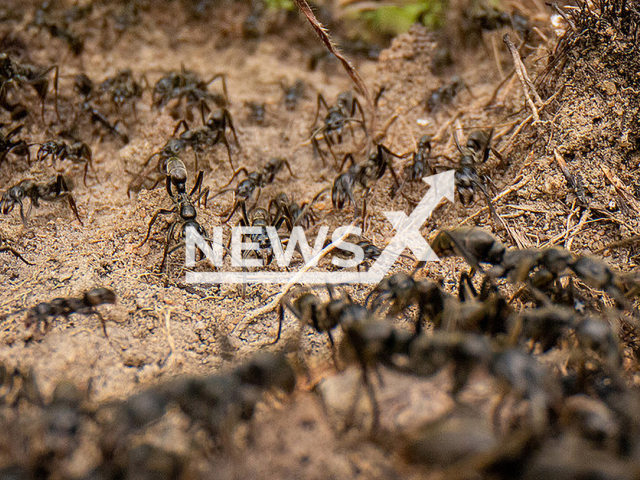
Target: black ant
pixel 261 218
pixel 476 151
pixel 187 85
pixel 171 149
pixel 58 28
pixel 445 94
pixel 55 190
pixel 17 147
pixel 302 215
pixel 77 152
pixel 401 290
pixel 292 94
pixel 12 72
pixel 86 305
pixel 419 166
pixel 323 317
pixel 258 112
pixel 122 89
pixel 337 117
pixel 85 87
pixel 255 180
pixel 212 132
pixel 363 174
pixel 184 209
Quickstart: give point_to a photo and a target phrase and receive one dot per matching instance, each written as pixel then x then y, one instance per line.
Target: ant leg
pixel 198 185
pixel 280 320
pixel 348 156
pixel 286 163
pixel 234 210
pixel 182 123
pixel 456 140
pixel 153 220
pixel 170 233
pixel 204 194
pixel 328 142
pixel 307 207
pixel 320 102
pixel 223 79
pixel 62 189
pixel 229 121
pixel 334 355
pixel 375 408
pixel 235 173
pixel 226 145
pixel 317 150
pixel 15 253
pixel 24 217
pixel 55 90
pixel 102 322
pixel 466 290
pixel 364 214
pixel 73 206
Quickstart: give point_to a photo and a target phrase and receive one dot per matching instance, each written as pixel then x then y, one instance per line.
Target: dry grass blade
pixel 326 39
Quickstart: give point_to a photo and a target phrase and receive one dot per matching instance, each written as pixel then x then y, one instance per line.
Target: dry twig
pixel 527 84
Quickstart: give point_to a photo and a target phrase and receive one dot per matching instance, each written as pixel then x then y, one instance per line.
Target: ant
pixel 467 179
pixel 122 88
pixel 171 149
pixel 257 112
pixel 55 190
pixel 58 28
pixel 419 167
pixel 18 147
pixel 445 94
pixel 337 117
pixel 212 132
pixel 475 245
pixel 85 87
pixel 262 219
pixel 86 305
pixel 292 94
pixel 184 210
pixel 323 317
pixel 13 72
pixel 363 174
pixel 77 152
pixel 5 247
pixel 401 290
pixel 255 180
pixel 296 214
pixel 187 85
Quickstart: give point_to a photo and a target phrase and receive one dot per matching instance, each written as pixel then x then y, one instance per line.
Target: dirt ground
pixel 160 328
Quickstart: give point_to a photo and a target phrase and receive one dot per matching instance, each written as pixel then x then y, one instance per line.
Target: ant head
pixel 424 142
pixel 83 85
pixel 245 189
pixel 6 66
pixel 345 99
pixel 173 147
